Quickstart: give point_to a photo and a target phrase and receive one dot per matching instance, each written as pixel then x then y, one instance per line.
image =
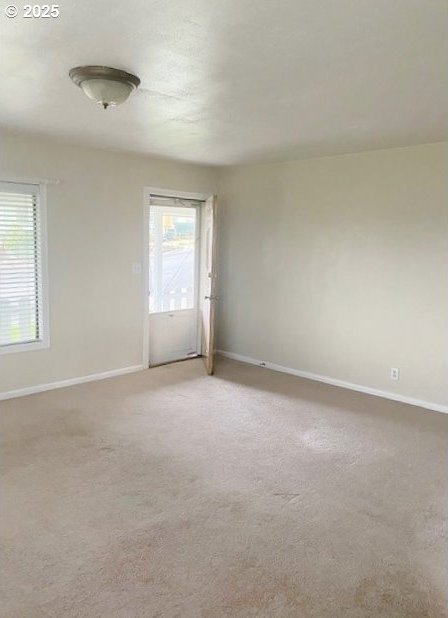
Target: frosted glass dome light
pixel 104 85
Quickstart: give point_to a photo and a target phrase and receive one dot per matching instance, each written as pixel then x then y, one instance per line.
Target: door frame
pixel 147 192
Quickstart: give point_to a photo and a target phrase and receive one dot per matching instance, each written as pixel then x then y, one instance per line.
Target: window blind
pixel 20 264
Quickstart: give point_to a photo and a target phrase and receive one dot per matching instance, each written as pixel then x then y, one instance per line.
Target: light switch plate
pixel 136 268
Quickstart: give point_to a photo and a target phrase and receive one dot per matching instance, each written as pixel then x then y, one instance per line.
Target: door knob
pixel 211 297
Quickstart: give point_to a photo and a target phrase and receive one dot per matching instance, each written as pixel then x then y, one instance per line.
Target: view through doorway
pixel 173 280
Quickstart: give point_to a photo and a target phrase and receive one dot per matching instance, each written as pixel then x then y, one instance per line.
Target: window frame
pixel 44 331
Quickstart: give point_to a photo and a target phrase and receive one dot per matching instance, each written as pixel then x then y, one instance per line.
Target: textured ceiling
pixel 230 81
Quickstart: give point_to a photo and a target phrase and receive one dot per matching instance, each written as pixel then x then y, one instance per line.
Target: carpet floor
pixel 168 493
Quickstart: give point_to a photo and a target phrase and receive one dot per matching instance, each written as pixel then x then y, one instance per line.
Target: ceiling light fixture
pixel 104 85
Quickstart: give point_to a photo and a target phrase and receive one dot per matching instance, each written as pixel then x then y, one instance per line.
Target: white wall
pixel 336 266
pixel 94 236
pixel 339 267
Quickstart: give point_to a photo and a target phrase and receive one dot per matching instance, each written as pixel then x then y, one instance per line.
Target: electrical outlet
pixel 394 373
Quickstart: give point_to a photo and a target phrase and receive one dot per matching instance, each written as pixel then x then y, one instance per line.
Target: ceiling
pixel 233 81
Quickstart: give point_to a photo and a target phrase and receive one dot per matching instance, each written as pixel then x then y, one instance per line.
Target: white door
pixel 174 273
pixel 208 290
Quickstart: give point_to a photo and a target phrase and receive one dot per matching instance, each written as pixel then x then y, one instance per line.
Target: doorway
pixel 180 274
pixel 174 239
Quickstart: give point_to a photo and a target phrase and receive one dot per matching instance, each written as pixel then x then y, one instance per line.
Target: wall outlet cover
pixel 395 373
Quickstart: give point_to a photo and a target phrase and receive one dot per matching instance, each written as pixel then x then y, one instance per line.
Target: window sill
pixel 24 347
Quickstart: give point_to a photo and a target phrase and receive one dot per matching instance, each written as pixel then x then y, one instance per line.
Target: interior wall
pixel 339 267
pixel 95 234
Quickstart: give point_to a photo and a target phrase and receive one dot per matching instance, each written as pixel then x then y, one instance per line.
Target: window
pixel 23 284
pixel 172 258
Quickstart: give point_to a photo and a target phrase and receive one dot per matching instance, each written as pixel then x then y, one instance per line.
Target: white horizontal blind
pixel 20 265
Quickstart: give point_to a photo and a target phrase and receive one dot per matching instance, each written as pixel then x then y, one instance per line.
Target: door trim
pixel 147 192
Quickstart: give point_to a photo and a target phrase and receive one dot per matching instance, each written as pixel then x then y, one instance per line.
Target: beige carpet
pixel 170 493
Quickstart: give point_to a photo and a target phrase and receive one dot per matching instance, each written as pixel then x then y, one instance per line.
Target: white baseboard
pixel 21 392
pixel 436 407
pixel 39 388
